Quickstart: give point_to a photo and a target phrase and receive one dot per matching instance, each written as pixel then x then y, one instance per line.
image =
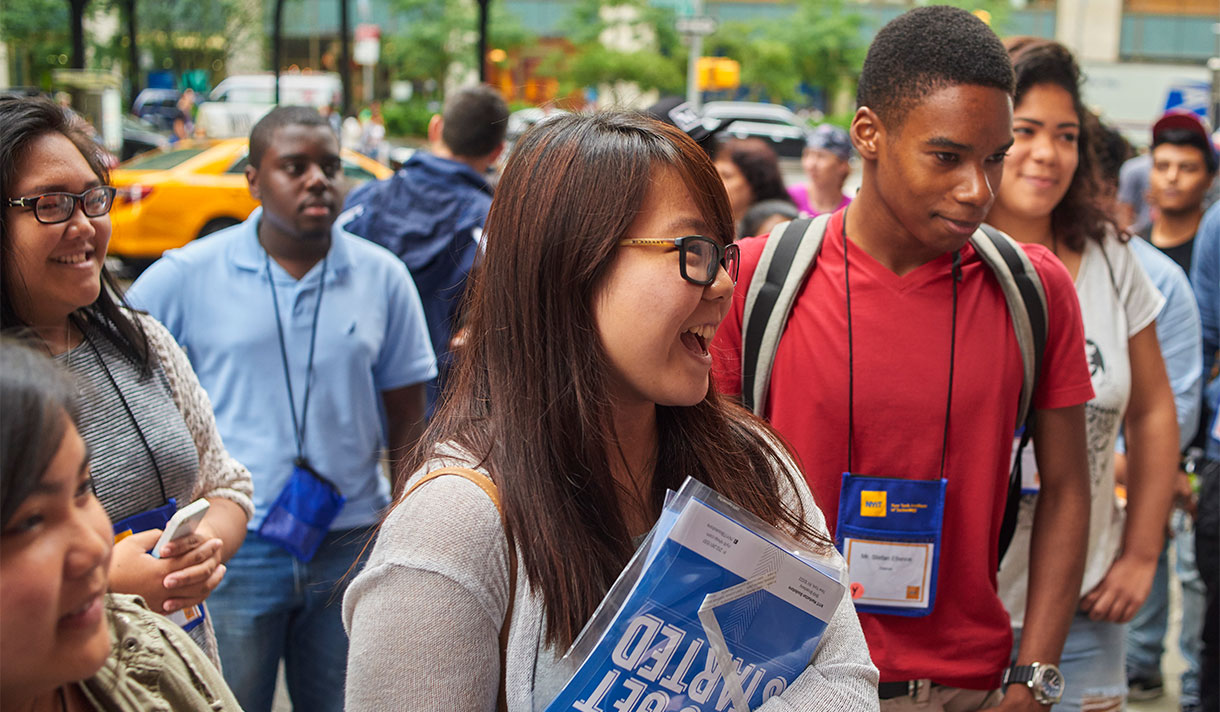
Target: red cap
pixel 1188 121
pixel 1178 119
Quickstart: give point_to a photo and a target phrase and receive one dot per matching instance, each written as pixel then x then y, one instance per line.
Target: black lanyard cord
pixel 298 426
pixel 122 399
pixel 851 370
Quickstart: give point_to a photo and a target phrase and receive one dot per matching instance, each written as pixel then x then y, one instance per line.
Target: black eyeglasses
pixel 702 257
pixel 51 208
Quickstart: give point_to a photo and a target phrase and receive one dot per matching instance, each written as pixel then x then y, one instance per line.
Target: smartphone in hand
pixel 183 523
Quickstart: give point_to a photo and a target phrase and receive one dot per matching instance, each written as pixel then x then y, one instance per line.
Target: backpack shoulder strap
pixel 787 257
pixel 488 485
pixel 1026 300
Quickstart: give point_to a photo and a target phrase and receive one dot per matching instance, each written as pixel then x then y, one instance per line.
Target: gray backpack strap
pixel 787 257
pixel 1027 306
pixel 1026 303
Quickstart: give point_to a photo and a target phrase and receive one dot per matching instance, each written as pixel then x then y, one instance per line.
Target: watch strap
pixel 1018 675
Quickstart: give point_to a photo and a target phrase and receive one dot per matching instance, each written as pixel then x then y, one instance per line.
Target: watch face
pixel 1048 683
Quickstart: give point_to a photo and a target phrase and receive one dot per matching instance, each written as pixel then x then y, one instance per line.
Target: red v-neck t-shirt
pixel 901 334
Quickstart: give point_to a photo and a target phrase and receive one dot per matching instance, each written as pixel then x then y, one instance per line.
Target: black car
pixel 775 124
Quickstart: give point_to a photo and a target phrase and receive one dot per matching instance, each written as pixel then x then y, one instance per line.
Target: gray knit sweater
pixel 424 619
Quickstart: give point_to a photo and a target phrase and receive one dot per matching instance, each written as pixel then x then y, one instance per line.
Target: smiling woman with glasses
pixel 143 411
pixel 583 392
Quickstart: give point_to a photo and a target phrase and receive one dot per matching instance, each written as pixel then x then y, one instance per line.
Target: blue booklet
pixel 716 611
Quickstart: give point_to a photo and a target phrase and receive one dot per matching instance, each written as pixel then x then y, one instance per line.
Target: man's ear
pixel 867 132
pixel 252 182
pixel 435 125
pixel 495 154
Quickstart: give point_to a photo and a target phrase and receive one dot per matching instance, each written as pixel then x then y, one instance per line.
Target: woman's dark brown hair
pixel 22 120
pixel 1080 215
pixel 758 165
pixel 528 397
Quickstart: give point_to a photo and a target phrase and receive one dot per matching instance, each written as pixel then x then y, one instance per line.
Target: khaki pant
pixel 943 699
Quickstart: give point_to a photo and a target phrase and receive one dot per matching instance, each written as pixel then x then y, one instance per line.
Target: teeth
pixel 705 332
pixel 71 259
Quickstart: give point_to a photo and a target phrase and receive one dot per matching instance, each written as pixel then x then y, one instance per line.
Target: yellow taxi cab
pixel 169 197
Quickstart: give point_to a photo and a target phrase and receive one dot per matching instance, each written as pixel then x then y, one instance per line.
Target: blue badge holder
pixel 894 513
pixel 303 512
pixel 157 518
pixel 143 521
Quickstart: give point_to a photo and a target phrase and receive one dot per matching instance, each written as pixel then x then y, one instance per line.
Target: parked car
pixel 770 122
pixel 158 107
pixel 190 189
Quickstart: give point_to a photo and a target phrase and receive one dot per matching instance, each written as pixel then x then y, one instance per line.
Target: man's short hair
pixel 475 119
pixel 277 118
pixel 1182 128
pixel 926 50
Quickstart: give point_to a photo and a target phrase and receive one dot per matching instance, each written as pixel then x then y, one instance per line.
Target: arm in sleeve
pixel 1205 276
pixel 424 616
pixel 219 474
pixel 1181 339
pixel 406 356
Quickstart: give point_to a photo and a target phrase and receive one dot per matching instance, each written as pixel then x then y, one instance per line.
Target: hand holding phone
pixel 183 523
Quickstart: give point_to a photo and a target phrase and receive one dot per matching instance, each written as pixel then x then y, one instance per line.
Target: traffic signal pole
pixel 693 96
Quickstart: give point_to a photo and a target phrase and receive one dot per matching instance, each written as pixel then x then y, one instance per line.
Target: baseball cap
pixel 1191 123
pixel 830 138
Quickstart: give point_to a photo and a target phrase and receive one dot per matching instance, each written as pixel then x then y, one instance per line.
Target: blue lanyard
pixel 851 373
pixel 298 427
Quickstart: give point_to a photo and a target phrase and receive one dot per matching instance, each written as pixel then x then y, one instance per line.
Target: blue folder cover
pixel 716 615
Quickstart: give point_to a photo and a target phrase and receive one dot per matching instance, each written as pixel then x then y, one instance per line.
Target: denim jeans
pixel 271 606
pixel 1146 632
pixel 1092 665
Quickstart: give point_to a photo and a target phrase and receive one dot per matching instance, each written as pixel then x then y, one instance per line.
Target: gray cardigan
pixel 424 618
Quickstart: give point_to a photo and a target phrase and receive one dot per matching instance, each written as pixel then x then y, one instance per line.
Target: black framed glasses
pixel 702 257
pixel 51 208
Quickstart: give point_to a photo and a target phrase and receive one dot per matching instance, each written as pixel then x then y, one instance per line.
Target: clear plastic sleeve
pixel 716 608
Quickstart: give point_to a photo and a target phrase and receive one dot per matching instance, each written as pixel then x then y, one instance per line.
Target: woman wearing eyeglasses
pixel 150 424
pixel 583 391
pixel 66 645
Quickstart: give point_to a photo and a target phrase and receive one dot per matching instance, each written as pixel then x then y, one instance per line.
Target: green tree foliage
pixel 821 44
pixel 442 33
pixel 38 36
pixel 658 62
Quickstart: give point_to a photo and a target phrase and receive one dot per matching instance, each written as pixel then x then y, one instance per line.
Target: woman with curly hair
pixel 1050 195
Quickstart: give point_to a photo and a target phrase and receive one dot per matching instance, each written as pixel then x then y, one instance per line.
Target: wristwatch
pixel 1043 679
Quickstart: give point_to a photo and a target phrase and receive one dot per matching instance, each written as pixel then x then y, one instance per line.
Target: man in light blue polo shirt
pixel 312 345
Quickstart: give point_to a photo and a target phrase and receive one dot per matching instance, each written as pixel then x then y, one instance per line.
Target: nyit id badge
pixel 187 618
pixel 889 533
pixel 303 512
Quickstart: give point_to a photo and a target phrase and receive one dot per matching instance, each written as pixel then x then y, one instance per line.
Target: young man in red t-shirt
pixel 869 357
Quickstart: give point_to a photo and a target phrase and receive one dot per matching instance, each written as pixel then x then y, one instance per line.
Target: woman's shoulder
pixel 153 660
pixel 442 521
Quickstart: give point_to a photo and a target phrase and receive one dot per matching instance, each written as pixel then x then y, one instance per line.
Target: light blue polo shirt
pixel 214 298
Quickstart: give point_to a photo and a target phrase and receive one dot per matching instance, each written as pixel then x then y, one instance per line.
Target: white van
pixel 239 101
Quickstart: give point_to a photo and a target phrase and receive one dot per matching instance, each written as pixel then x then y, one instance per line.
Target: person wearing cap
pixel 826 162
pixel 1184 165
